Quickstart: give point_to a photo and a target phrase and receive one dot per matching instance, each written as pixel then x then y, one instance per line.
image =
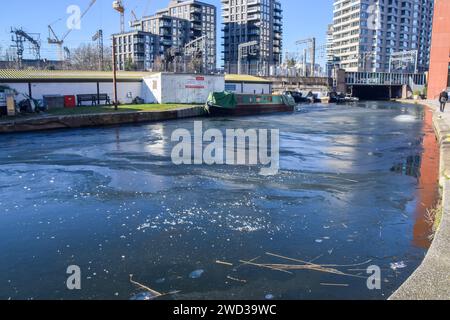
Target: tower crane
pixel 55 40
pixel 119 7
pixel 133 14
pixel 134 19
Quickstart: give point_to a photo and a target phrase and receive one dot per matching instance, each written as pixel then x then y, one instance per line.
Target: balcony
pixel 165 33
pixel 253 2
pixel 254 32
pixel 278 23
pixel 196 17
pixel 196 9
pixel 196 26
pixel 254 9
pixel 253 17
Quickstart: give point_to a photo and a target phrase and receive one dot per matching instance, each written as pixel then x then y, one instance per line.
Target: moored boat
pixel 227 103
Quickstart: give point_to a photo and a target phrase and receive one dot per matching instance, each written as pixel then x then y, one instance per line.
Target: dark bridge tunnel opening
pixel 365 92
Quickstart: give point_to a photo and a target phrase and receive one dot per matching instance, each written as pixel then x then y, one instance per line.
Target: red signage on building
pixel 196 83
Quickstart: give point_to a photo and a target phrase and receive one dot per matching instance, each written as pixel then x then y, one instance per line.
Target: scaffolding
pixel 196 51
pixel 98 37
pixel 404 61
pixel 19 38
pixel 245 50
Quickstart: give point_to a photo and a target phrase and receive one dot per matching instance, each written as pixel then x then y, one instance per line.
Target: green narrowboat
pixel 231 104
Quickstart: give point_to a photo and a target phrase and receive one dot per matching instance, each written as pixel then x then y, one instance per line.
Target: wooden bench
pixel 94 99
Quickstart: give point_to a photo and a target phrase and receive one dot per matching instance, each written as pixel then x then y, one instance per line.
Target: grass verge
pixel 434 218
pixel 122 108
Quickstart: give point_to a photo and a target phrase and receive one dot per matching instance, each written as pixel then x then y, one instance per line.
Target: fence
pixel 385 78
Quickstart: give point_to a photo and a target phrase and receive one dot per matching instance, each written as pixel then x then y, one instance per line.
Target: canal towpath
pixel 431 281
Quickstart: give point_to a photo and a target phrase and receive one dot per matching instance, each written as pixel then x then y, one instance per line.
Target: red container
pixel 70 102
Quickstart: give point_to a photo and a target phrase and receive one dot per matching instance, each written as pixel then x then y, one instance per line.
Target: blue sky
pixel 302 19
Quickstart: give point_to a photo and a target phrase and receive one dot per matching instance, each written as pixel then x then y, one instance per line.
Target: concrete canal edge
pixel 431 281
pixel 96 120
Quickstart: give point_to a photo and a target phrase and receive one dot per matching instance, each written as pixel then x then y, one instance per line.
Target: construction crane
pixel 119 7
pixel 19 38
pixel 98 37
pixel 135 22
pixel 133 14
pixel 312 49
pixel 55 40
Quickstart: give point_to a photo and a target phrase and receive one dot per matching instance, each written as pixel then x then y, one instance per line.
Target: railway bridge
pixel 364 85
pixel 381 85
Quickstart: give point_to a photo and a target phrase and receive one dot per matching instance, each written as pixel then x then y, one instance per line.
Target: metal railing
pixel 384 78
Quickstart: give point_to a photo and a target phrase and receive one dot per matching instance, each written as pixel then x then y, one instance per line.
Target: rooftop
pixel 245 78
pixel 7 75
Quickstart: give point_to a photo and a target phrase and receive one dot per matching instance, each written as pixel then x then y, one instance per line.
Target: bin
pixel 70 102
pixel 54 102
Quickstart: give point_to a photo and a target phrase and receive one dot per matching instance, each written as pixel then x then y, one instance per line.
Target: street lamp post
pixel 116 104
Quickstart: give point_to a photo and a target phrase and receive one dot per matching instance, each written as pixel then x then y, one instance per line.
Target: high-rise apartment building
pixel 247 21
pixel 172 28
pixel 170 32
pixel 329 52
pixel 368 33
pixel 135 50
pixel 202 18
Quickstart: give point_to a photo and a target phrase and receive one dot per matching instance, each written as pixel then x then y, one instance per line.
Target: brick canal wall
pixel 95 120
pixel 431 281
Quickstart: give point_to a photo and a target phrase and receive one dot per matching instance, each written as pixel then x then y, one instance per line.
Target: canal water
pixel 353 190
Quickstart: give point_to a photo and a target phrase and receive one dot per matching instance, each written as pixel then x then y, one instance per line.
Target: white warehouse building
pixel 151 87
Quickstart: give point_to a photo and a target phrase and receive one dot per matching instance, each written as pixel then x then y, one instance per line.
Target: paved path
pixel 431 281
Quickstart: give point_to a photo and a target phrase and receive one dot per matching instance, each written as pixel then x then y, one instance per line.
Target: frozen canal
pixel 355 184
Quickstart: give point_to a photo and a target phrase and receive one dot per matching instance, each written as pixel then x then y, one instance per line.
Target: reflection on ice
pixel 406 118
pixel 111 201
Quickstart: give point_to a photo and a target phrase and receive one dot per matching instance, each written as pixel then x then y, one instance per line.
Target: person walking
pixel 443 99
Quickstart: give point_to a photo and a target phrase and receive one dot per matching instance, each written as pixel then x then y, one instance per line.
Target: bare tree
pixel 86 57
pixel 291 62
pixel 6 59
pixel 195 62
pixel 158 64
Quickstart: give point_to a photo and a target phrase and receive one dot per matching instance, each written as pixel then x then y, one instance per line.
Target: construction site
pixel 183 39
pixel 166 41
pixel 135 49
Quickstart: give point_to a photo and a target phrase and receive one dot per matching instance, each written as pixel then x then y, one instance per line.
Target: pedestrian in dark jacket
pixel 443 99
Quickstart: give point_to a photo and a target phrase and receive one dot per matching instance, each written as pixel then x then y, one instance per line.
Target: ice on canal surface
pixel 354 185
